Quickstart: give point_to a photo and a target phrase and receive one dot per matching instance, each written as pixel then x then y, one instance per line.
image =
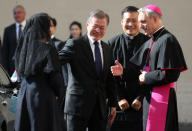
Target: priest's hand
pixel 136 104
pixel 117 70
pixel 112 115
pixel 123 104
pixel 142 78
pixel 57 97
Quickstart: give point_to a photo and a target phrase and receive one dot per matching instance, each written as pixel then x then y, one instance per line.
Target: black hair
pixel 75 23
pixel 54 21
pixel 129 9
pixel 37 29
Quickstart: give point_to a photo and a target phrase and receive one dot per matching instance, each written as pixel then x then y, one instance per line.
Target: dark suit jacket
pixel 58 44
pixel 85 89
pixel 8 48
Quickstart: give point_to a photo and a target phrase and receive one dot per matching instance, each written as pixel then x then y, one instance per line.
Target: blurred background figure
pixel 0 50
pixel 58 44
pixel 41 81
pixel 11 37
pixel 75 30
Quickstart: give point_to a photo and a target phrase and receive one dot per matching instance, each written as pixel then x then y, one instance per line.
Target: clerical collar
pixel 131 37
pixel 158 32
pixel 52 36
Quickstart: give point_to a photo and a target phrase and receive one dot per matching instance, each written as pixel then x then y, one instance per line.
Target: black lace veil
pixel 36 32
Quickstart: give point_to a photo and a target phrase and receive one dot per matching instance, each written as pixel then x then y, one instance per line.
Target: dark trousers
pixel 94 123
pixel 127 121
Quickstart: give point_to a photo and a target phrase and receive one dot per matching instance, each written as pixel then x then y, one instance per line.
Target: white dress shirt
pixel 17 27
pixel 91 42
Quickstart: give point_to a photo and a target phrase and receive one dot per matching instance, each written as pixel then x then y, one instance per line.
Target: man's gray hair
pixel 98 14
pixel 149 12
pixel 19 6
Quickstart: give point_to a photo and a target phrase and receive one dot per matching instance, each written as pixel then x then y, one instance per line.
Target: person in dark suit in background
pixel 11 38
pixel 53 27
pixel 90 80
pixel 58 44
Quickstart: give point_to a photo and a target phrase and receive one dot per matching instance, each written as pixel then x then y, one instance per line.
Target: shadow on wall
pixel 185 126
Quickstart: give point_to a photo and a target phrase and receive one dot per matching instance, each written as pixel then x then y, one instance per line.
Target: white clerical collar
pixel 52 36
pixel 22 23
pixel 131 36
pixel 91 41
pixel 159 29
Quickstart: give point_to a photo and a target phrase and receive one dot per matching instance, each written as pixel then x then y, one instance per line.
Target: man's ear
pixel 155 18
pixel 87 24
pixel 121 21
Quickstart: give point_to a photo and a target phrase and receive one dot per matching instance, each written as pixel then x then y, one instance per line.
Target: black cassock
pixel 164 57
pixel 124 47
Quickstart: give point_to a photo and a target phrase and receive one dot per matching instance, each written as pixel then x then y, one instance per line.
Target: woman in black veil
pixel 41 81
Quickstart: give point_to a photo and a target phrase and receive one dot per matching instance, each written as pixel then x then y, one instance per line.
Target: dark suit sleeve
pixel 5 50
pixel 111 88
pixel 66 54
pixel 60 45
pixel 159 77
pixel 111 91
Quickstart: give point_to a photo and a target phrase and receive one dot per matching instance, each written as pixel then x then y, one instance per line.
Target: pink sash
pixel 158 107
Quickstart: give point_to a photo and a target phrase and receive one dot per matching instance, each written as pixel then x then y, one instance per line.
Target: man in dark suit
pixel 57 43
pixel 90 80
pixel 11 37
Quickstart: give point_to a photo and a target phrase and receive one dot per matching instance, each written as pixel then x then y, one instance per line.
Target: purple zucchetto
pixel 154 8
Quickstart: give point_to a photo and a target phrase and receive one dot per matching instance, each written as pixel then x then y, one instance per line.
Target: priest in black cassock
pixel 124 46
pixel 162 61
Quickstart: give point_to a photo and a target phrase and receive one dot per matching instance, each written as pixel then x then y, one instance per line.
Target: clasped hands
pixel 124 105
pixel 117 70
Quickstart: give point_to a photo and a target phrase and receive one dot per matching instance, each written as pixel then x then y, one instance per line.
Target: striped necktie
pixel 20 31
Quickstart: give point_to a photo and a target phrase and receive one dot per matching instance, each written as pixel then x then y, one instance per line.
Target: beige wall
pixel 176 17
